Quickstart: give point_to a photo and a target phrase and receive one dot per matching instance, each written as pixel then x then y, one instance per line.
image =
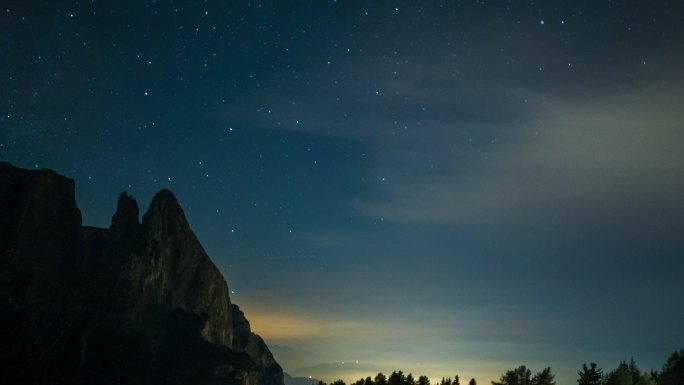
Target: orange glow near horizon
pixel 281 329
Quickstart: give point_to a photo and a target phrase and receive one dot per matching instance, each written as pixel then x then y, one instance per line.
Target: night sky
pixel 438 187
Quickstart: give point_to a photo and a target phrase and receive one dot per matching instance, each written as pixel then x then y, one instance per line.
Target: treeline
pixel 398 378
pixel 626 373
pixel 672 373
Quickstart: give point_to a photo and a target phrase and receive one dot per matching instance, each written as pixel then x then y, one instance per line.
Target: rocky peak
pixel 166 212
pixel 170 269
pixel 125 222
pixel 135 303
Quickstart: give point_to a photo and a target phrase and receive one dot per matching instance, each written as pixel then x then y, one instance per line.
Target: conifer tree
pixel 545 377
pixel 396 378
pixel 591 375
pixel 634 371
pixel 423 380
pixel 647 379
pixel 621 375
pixel 380 379
pixel 518 376
pixel 673 370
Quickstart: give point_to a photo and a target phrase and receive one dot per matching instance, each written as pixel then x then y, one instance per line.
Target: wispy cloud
pixel 485 152
pixel 563 158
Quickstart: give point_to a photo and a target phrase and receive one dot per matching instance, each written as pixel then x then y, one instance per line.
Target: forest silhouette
pixel 626 373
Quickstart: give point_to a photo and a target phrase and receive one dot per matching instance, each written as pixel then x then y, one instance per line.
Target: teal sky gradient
pixel 443 187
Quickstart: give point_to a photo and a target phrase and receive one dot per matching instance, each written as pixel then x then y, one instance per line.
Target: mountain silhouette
pixel 137 303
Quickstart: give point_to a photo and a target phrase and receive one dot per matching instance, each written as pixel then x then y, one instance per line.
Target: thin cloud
pixel 565 157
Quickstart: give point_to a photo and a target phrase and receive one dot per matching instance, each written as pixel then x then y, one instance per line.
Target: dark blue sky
pixel 439 187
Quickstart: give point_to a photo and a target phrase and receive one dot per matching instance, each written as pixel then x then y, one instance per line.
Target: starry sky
pixel 438 187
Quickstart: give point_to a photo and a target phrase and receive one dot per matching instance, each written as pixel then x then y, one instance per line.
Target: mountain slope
pixel 135 303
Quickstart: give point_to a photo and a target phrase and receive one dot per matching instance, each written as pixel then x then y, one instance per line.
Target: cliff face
pixel 135 303
pixel 39 257
pixel 245 340
pixel 169 269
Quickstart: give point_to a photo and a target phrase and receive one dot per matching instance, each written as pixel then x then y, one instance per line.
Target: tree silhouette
pixel 626 373
pixel 423 380
pixel 396 378
pixel 591 375
pixel 647 379
pixel 673 370
pixel 380 379
pixel 634 371
pixel 545 377
pixel 518 376
pixel 621 375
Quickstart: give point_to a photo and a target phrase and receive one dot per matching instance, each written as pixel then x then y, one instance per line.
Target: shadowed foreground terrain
pixel 138 303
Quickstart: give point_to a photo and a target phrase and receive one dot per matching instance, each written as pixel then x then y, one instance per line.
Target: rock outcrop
pixel 252 344
pixel 136 303
pixel 169 269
